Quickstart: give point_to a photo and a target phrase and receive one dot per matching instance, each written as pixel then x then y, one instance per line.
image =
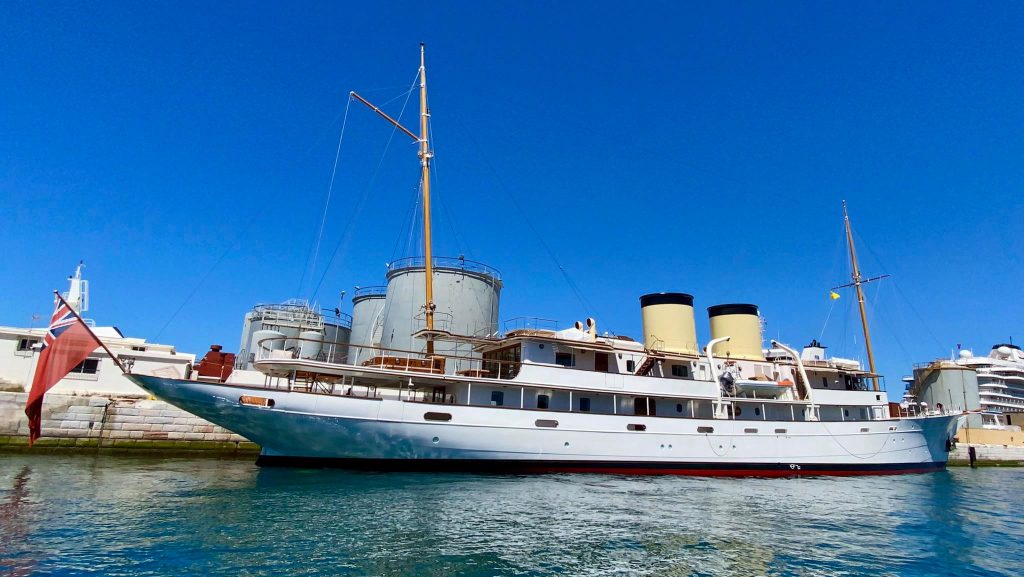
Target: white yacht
pixel 538 399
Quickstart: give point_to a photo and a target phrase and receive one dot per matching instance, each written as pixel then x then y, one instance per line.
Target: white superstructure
pixel 1000 382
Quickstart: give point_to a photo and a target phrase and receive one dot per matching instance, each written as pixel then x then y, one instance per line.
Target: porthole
pixel 435 440
pixel 636 427
pixel 750 431
pixel 437 416
pixel 548 423
pixel 679 407
pixel 705 429
pixel 540 346
pixel 757 411
pixel 780 431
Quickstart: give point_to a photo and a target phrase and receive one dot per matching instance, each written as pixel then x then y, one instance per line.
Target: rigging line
pixel 407 223
pixel 411 237
pixel 202 281
pixel 310 268
pixel 515 203
pixel 463 246
pixel 899 291
pixel 327 202
pixel 821 335
pixel 366 191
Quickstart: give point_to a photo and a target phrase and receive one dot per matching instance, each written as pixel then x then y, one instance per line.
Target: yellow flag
pixel 833 295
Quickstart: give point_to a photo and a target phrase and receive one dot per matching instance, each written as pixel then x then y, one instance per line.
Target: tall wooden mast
pixel 857 282
pixel 425 155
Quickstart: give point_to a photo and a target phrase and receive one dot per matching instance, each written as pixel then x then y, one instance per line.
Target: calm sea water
pixel 130 516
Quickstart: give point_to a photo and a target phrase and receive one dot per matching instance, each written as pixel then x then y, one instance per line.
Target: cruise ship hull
pixel 304 429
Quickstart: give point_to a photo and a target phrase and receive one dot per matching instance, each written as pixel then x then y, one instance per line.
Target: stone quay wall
pixel 988 453
pixel 115 423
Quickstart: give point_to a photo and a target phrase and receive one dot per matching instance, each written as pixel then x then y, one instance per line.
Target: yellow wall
pixel 990 437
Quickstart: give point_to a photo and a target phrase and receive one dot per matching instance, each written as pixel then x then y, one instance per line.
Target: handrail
pixel 444 262
pixel 368 291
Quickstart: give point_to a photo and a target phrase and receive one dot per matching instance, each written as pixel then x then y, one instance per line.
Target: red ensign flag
pixel 68 342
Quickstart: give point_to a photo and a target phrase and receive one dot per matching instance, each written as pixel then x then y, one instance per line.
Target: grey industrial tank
pixel 306 331
pixel 466 294
pixel 367 321
pixel 337 332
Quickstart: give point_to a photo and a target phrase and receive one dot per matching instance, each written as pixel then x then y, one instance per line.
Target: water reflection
pixel 146 516
pixel 14 526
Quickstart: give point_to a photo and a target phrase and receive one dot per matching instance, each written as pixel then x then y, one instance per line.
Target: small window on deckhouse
pixel 497 398
pixel 680 371
pixel 584 405
pixel 631 366
pixel 565 359
pixel 543 401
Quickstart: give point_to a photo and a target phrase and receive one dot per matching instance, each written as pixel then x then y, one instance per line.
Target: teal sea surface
pixel 83 515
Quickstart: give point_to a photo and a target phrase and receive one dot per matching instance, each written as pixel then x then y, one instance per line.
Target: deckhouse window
pixel 630 366
pixel 497 398
pixel 644 406
pixel 543 401
pixel 565 359
pixel 584 405
pixel 680 371
pixel 503 363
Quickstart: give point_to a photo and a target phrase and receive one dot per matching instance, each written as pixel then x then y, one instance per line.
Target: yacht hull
pixel 304 429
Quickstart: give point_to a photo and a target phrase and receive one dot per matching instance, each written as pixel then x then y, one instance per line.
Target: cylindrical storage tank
pixel 310 344
pixel 466 296
pixel 247 330
pixel 668 323
pixel 256 349
pixel 336 338
pixel 367 321
pixel 741 323
pixel 292 334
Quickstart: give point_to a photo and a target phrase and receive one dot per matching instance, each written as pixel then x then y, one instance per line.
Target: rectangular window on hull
pixel 497 398
pixel 543 401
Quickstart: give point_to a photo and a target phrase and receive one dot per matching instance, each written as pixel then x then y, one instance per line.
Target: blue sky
pixel 650 147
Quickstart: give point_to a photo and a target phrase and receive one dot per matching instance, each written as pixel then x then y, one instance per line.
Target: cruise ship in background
pixel 992 386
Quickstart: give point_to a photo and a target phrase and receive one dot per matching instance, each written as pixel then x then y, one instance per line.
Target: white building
pixel 99 374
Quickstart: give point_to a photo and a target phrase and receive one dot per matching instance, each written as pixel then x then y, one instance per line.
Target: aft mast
pixel 425 154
